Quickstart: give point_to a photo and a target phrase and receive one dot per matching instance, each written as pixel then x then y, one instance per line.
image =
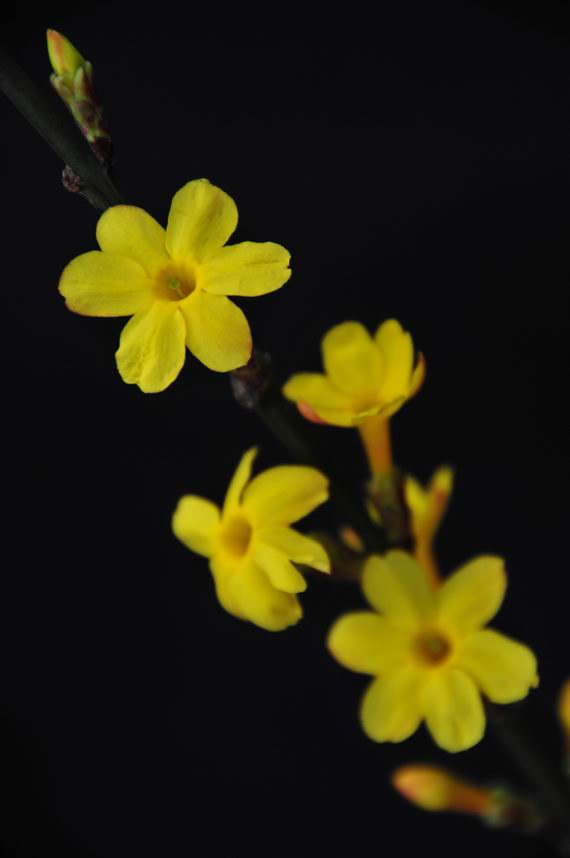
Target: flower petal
pixel 295 546
pixel 195 522
pixel 103 284
pixel 217 332
pixel 454 711
pixel 282 495
pixel 247 269
pixel 397 586
pixel 152 352
pixel 279 569
pixel 223 578
pixel 239 481
pixel 504 669
pixel 391 707
pixel 131 232
pixel 367 643
pixel 202 218
pixel 397 349
pixel 473 595
pixel 260 602
pixel 352 360
pixel 314 389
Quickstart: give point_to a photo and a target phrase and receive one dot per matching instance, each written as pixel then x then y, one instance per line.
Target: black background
pixel 416 167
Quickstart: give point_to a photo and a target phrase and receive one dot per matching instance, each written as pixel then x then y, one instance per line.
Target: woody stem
pixel 42 113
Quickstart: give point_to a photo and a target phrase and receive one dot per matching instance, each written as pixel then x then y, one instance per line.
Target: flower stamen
pixel 236 536
pixel 432 648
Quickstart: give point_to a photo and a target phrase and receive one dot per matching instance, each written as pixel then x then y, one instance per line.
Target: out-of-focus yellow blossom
pixel 174 283
pixel 250 544
pixel 564 713
pixel 427 508
pixel 365 376
pixel 432 788
pixel 429 652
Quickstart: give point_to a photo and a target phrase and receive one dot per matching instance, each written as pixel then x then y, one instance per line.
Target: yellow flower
pixel 249 542
pixel 174 283
pixel 364 376
pixel 427 508
pixel 429 652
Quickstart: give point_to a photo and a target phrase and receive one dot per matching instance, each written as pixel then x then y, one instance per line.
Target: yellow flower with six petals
pixel 429 652
pixel 364 376
pixel 174 283
pixel 250 544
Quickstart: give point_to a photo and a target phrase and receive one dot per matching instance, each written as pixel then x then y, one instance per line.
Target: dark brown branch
pixel 56 129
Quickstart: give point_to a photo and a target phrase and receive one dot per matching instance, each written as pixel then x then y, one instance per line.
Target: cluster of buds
pixel 72 79
pixel 435 789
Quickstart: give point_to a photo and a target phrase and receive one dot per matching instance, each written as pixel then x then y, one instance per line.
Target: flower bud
pixel 72 79
pixel 65 59
pixel 434 789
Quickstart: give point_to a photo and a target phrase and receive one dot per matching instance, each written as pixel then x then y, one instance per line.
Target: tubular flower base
pixel 174 284
pixel 365 376
pixel 250 544
pixel 427 508
pixel 429 651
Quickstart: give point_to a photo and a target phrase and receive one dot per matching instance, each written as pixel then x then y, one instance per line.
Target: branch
pixel 42 114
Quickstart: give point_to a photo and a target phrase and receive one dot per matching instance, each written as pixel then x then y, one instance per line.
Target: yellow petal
pixel 295 546
pixel 217 332
pixel 247 269
pixel 504 669
pixel 397 351
pixel 223 578
pixel 280 571
pixel 352 360
pixel 316 390
pixel 454 712
pixel 195 522
pixel 239 481
pixel 261 603
pixel 397 586
pixel 473 595
pixel 202 218
pixel 131 232
pixel 367 643
pixel 282 495
pixel 418 375
pixel 391 708
pixel 102 284
pixel 152 352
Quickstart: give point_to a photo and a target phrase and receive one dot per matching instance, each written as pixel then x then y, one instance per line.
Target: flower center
pixel 432 648
pixel 174 283
pixel 236 536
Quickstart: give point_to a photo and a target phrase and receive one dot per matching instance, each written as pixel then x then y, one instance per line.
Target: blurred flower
pixel 174 284
pixel 434 789
pixel 427 508
pixel 364 377
pixel 72 79
pixel 563 711
pixel 251 546
pixel 429 651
